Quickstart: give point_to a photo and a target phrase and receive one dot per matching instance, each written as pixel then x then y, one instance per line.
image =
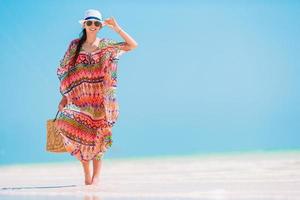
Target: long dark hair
pixel 82 36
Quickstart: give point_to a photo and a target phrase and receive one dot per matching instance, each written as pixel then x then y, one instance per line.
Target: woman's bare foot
pixel 96 171
pixel 96 180
pixel 88 179
pixel 87 175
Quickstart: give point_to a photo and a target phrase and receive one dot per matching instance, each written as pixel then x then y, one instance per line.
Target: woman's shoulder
pixel 110 42
pixel 104 42
pixel 104 39
pixel 75 41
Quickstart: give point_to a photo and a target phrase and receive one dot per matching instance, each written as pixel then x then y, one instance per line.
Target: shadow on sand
pixel 36 187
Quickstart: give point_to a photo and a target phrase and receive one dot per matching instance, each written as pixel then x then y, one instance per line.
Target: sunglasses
pixel 90 22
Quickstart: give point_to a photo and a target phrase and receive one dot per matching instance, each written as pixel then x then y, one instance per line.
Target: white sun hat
pixel 92 14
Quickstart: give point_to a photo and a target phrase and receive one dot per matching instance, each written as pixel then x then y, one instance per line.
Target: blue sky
pixel 207 76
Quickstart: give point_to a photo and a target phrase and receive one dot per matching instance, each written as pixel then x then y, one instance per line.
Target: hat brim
pixel 83 20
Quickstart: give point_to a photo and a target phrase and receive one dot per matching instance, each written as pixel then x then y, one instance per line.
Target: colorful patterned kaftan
pixel 89 85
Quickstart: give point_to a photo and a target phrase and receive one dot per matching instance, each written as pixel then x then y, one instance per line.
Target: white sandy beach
pixel 234 176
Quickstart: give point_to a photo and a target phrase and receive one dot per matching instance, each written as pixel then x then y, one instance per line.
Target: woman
pixel 88 81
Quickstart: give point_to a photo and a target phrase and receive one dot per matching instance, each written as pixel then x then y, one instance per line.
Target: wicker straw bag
pixel 54 139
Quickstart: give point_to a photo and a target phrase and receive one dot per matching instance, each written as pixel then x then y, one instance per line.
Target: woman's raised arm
pixel 130 42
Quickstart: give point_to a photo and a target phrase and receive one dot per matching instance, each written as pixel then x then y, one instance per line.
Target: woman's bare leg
pixel 96 171
pixel 87 173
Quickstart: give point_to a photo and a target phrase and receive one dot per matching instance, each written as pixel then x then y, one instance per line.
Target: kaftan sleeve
pixel 65 61
pixel 117 48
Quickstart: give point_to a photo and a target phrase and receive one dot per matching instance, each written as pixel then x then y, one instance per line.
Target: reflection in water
pixel 93 197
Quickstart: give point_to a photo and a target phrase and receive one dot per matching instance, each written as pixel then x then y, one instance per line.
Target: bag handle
pixel 55 116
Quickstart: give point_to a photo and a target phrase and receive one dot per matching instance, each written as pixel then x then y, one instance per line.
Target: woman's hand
pixel 62 103
pixel 111 23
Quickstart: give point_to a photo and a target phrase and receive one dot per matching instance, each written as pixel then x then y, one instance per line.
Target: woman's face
pixel 90 26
